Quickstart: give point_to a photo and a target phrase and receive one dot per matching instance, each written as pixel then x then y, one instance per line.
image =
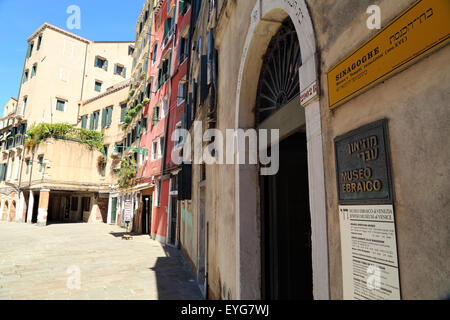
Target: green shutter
pixel 180 12
pixel 124 72
pixel 109 119
pixel 83 122
pixel 166 28
pixel 115 68
pixel 96 61
pixel 123 112
pixel 169 65
pixel 105 65
pixel 104 115
pixel 28 50
pixel 97 115
pixel 91 124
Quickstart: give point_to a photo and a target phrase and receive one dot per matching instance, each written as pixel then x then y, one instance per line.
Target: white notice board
pixel 369 253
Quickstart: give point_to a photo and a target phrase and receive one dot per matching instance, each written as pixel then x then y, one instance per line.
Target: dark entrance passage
pixel 173 220
pixel 287 265
pixel 147 215
pixel 36 196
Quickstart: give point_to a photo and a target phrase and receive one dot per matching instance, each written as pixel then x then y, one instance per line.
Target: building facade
pixel 250 236
pixel 61 70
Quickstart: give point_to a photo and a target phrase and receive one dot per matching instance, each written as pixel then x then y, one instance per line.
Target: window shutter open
pixel 124 72
pixel 96 61
pixel 91 124
pixel 105 65
pixel 109 121
pixel 104 115
pixel 180 12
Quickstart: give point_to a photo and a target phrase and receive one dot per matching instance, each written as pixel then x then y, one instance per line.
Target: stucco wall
pixel 416 104
pixel 414 101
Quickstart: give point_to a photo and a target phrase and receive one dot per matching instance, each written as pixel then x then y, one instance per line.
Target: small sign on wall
pixel 363 165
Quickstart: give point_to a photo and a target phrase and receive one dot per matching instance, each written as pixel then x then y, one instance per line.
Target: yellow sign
pixel 422 28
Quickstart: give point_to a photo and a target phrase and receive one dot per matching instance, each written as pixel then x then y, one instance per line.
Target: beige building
pixel 61 70
pixel 283 236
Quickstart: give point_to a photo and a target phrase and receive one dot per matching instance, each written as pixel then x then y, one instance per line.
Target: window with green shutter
pixel 96 118
pixel 34 70
pixel 104 116
pixel 98 86
pixel 39 43
pixel 181 8
pixel 41 163
pixel 84 122
pixel 123 112
pixel 109 116
pixel 25 76
pixel 60 105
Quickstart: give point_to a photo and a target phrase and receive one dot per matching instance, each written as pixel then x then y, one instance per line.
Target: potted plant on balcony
pixel 133 112
pixel 101 161
pixel 115 156
pixel 145 101
pixel 139 107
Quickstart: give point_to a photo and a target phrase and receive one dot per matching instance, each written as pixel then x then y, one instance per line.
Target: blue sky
pixel 101 20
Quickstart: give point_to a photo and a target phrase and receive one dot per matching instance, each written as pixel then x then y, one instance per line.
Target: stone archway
pixel 266 19
pixel 12 211
pixel 5 211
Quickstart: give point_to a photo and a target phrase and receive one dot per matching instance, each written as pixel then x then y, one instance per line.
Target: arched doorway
pixel 301 159
pixel 6 210
pixel 12 211
pixel 286 266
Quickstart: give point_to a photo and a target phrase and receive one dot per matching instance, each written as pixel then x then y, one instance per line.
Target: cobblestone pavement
pixel 42 263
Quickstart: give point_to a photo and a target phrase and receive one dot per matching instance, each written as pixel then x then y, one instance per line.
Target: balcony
pixel 20 112
pixel 19 141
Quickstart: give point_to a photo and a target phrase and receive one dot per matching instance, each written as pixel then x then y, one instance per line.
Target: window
pixel 41 163
pixel 168 29
pixel 74 204
pixel 174 184
pixel 2 172
pixel 120 70
pixel 93 125
pixel 101 63
pixel 25 76
pixel 60 105
pixel 183 7
pixel 154 150
pixel 155 118
pixel 24 105
pixel 107 117
pixel 183 50
pixel 164 108
pixel 161 147
pixel 39 43
pixel 33 71
pixel 98 86
pixel 158 194
pixel 154 53
pixel 130 50
pixel 182 92
pixel 84 120
pixel 86 204
pixel 28 166
pixel 30 49
pixel 123 112
pixel 164 72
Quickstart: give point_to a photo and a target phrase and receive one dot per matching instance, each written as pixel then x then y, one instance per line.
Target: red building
pixel 167 86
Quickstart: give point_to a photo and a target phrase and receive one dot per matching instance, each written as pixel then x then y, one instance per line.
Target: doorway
pixel 173 220
pixel 147 215
pixel 286 226
pixel 34 218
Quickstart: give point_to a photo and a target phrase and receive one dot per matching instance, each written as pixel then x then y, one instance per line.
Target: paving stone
pixel 36 263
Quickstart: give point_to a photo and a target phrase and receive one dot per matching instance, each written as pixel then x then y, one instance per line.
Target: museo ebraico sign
pixel 421 29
